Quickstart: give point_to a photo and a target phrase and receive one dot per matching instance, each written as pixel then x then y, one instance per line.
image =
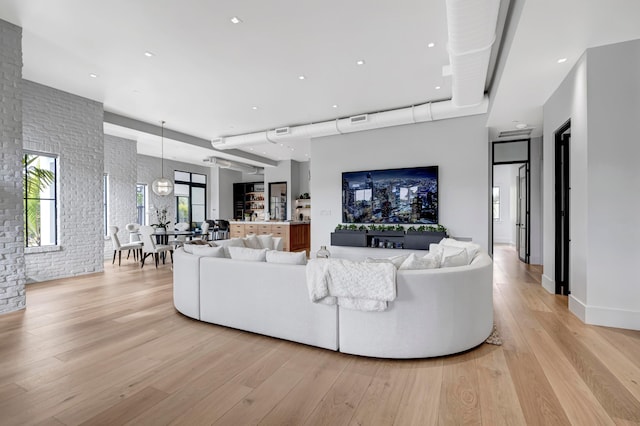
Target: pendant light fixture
pixel 162 186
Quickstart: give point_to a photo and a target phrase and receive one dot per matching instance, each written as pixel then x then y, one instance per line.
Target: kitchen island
pixel 296 236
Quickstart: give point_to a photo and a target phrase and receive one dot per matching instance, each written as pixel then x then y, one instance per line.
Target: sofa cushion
pixel 233 242
pixel 471 248
pixel 266 241
pixel 208 251
pixel 449 256
pixel 396 260
pixel 428 261
pixel 252 241
pixel 188 246
pixel 246 253
pixel 290 258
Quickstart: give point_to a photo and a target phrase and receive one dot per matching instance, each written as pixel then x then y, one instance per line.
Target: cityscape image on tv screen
pixel 391 196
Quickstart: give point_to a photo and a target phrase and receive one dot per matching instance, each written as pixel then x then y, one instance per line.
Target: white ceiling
pixel 207 73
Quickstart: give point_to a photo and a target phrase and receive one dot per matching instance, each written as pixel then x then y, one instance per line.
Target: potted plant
pixel 161 218
pixel 349 235
pixel 420 237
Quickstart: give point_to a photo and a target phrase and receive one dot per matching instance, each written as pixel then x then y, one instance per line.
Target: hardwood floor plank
pixel 420 403
pixel 339 404
pixel 128 408
pixel 459 401
pixel 498 397
pixel 380 402
pixel 297 406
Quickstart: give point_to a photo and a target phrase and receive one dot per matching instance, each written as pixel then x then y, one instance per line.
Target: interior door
pixel 562 192
pixel 522 221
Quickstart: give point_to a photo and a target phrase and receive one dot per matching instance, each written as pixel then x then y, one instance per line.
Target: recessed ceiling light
pixel 437 87
pixel 431 45
pixel 250 149
pixel 521 126
pixel 292 149
pixel 281 144
pixel 264 152
pixel 306 155
pixel 148 54
pixel 334 106
pixel 254 107
pixel 301 77
pixel 360 62
pixel 235 20
pixel 562 60
pixel 92 75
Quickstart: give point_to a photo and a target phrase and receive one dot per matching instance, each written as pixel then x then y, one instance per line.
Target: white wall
pixel 504 229
pixel 120 164
pixel 458 146
pixel 569 101
pixel 602 99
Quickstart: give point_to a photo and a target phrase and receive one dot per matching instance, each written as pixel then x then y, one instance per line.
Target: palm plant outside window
pixel 40 213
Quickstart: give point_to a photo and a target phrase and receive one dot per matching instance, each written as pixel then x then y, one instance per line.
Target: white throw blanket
pixel 352 285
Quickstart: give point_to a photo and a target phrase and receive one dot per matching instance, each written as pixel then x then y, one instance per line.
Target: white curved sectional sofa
pixel 436 312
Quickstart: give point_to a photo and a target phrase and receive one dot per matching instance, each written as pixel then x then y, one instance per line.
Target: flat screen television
pixel 407 195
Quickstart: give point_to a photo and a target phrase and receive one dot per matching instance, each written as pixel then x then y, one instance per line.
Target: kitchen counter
pixel 295 235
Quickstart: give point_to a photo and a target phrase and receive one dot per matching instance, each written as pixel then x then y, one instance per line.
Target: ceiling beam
pixel 152 129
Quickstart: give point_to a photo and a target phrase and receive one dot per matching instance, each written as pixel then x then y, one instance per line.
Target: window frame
pixel 54 184
pixel 142 216
pixel 191 184
pixel 494 203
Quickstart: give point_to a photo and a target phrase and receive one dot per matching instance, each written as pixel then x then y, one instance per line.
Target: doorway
pixel 522 216
pixel 511 185
pixel 562 201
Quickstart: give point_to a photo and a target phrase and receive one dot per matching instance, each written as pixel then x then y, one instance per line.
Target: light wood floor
pixel 110 349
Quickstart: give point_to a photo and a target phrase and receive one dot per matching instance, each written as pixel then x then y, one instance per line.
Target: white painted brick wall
pixel 70 126
pixel 120 163
pixel 12 266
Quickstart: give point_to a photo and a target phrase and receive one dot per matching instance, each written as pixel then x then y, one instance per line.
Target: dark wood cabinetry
pixel 248 199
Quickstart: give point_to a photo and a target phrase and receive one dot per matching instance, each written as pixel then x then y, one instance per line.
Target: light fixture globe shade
pixel 162 186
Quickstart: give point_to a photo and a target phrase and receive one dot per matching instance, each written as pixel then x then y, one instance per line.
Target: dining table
pixel 162 237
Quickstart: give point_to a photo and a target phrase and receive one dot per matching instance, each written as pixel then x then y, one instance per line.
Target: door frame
pixel 562 257
pixel 526 162
pixel 527 220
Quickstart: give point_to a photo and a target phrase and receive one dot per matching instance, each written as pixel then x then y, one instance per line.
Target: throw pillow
pixel 472 248
pixel 290 258
pixel 395 260
pixel 250 254
pixel 449 256
pixel 416 262
pixel 266 241
pixel 233 242
pixel 208 251
pixel 252 241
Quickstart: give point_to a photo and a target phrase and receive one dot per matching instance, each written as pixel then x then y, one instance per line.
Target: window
pixel 40 212
pixel 191 200
pixel 105 202
pixel 496 203
pixel 141 203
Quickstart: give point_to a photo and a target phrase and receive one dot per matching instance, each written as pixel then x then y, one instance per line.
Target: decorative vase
pixel 323 253
pixel 161 230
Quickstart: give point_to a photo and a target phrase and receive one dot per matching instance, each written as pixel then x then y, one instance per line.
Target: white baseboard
pixel 608 317
pixel 548 284
pixel 578 308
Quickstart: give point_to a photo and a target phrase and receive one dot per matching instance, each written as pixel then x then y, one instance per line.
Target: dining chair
pixel 150 247
pixel 223 229
pixel 205 231
pixel 118 248
pixel 179 240
pixel 133 229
